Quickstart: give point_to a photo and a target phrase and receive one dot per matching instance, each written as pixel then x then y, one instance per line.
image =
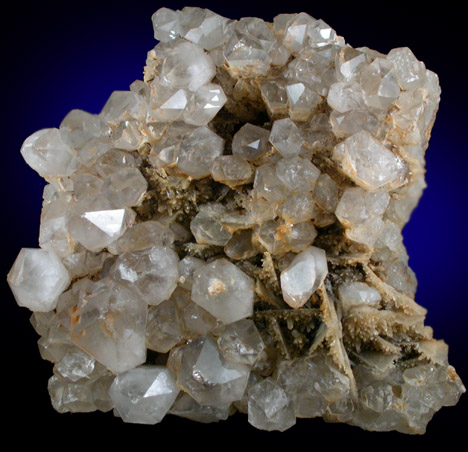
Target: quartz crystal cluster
pixel 226 235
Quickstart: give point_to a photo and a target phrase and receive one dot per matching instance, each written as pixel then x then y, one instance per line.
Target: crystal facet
pixel 226 235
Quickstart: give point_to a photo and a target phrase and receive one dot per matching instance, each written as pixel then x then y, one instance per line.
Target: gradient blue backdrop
pixel 60 57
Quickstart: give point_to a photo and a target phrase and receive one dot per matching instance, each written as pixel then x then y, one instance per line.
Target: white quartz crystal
pixel 270 408
pixel 207 377
pixel 204 27
pixel 358 294
pixel 203 106
pixel 187 67
pixel 187 407
pixel 96 224
pixel 187 267
pixel 286 137
pixel 361 212
pixel 144 395
pixel 46 152
pixel 198 152
pixel 410 72
pixel 37 279
pixel 241 342
pixel 166 24
pixel 298 174
pixel 223 290
pixel 251 142
pixel 151 273
pixel 370 164
pixel 141 236
pixel 303 276
pixel 226 235
pixel 250 47
pixel 231 170
pixel 109 323
pixel 207 228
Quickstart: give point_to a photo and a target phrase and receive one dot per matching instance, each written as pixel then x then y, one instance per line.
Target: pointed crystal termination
pixel 109 323
pixel 144 395
pixel 37 279
pixel 303 276
pixel 269 407
pixel 151 273
pixel 207 377
pixel 95 224
pixel 46 152
pixel 223 290
pixel 369 164
pixel 231 229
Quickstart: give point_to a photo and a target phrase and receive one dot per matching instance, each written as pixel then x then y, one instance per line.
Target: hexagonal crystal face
pixel 207 377
pixel 198 152
pixel 370 164
pixel 223 290
pixel 37 279
pixel 152 273
pixel 270 408
pixel 144 395
pixel 251 161
pixel 109 323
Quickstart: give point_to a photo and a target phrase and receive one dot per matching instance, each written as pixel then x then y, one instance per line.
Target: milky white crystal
pixel 270 408
pixel 286 137
pixel 251 142
pixel 241 342
pixel 303 276
pixel 198 152
pixel 109 323
pixel 207 377
pixel 358 294
pixel 187 66
pixel 37 279
pixel 47 153
pixel 223 290
pixel 144 395
pixel 370 164
pixel 151 272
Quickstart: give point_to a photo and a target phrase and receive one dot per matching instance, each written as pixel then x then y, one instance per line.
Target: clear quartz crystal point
pixel 187 67
pixel 286 137
pixel 241 342
pixel 207 377
pixel 370 164
pixel 204 105
pixel 270 408
pixel 151 273
pixel 47 153
pixel 37 279
pixel 166 24
pixel 251 142
pixel 361 212
pixel 303 276
pixel 96 224
pixel 144 395
pixel 250 48
pixel 204 27
pixel 226 235
pixel 109 323
pixel 223 290
pixel 198 152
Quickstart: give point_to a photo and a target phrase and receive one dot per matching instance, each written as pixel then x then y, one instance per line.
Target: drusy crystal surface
pixel 226 235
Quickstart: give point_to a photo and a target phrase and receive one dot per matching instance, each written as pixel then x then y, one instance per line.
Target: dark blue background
pixel 61 56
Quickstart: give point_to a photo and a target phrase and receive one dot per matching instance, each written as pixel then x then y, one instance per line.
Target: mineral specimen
pixel 226 235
